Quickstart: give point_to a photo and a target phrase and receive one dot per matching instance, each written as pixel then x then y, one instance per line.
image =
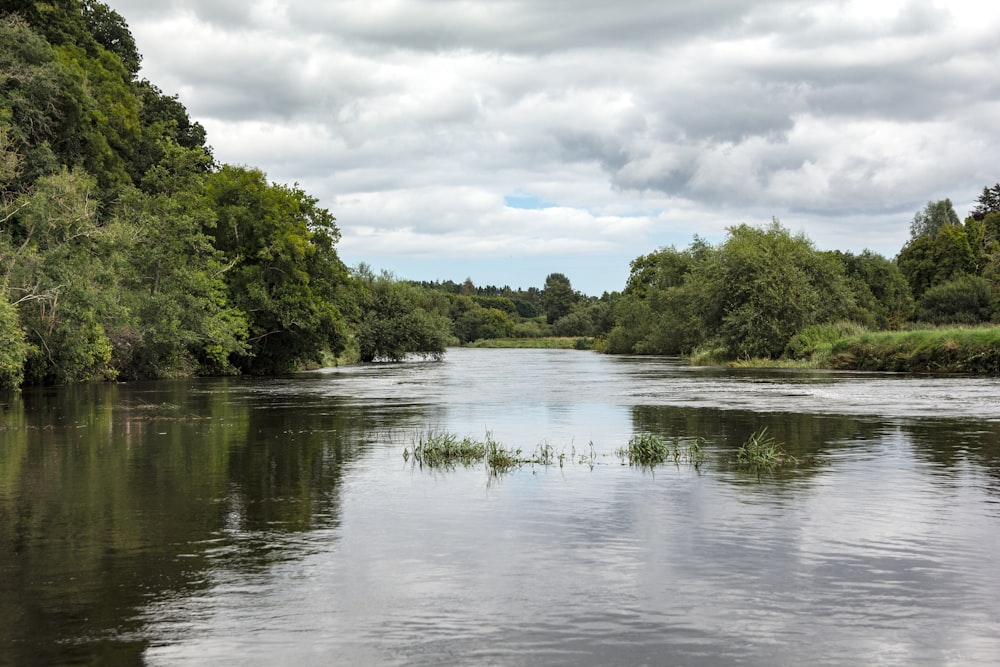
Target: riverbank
pixel 967 350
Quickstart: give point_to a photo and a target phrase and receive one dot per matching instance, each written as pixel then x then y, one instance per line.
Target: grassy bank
pixel 545 343
pixel 972 350
pixel 944 350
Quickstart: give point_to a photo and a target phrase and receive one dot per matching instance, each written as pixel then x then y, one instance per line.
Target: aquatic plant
pixel 438 449
pixel 648 450
pixel 761 451
pixel 441 449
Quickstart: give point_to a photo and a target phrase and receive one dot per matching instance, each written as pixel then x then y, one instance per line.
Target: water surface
pixel 265 522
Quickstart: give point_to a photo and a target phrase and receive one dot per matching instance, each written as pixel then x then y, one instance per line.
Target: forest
pixel 127 251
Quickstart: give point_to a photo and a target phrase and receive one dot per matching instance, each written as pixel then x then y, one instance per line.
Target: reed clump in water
pixel 763 452
pixel 441 450
pixel 438 449
pixel 648 450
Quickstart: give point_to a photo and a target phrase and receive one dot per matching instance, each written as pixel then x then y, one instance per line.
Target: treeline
pixel 478 313
pixel 766 293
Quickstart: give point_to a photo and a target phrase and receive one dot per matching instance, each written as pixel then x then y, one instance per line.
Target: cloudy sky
pixel 504 140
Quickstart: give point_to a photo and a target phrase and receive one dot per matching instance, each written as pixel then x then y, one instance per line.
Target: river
pixel 245 522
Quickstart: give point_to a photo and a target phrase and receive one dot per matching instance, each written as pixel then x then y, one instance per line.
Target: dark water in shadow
pixel 248 522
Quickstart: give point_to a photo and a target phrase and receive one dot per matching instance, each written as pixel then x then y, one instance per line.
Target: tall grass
pixel 442 450
pixel 648 450
pixel 761 451
pixel 974 350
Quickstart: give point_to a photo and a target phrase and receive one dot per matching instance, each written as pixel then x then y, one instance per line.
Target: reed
pixel 436 449
pixel 761 451
pixel 648 450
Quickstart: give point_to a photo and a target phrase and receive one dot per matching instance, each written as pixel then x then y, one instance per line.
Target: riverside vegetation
pixel 128 252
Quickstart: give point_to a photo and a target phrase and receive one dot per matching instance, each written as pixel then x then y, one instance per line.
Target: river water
pixel 277 522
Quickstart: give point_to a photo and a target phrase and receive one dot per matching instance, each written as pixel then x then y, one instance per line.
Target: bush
pixel 964 300
pixel 13 347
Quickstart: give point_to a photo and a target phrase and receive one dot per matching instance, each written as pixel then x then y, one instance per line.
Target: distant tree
pixel 933 218
pixel 763 286
pixel 927 261
pixel 558 297
pixel 988 202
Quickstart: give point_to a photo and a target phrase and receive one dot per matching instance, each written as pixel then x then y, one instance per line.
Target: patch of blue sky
pixel 526 201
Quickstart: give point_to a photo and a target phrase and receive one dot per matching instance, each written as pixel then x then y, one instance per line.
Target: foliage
pixel 934 217
pixel 285 274
pixel 13 347
pixel 963 300
pixel 111 251
pixel 648 450
pixel 397 319
pixel 988 202
pixel 882 296
pixel 558 297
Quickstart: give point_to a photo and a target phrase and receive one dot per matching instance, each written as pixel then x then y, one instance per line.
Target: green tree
pixel 763 286
pixel 963 300
pixel 183 322
pixel 928 261
pixel 988 202
pixel 881 293
pixel 286 275
pixel 13 346
pixel 558 297
pixel 396 320
pixel 53 268
pixel 934 217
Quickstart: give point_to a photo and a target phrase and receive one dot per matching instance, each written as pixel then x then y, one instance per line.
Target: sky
pixel 504 140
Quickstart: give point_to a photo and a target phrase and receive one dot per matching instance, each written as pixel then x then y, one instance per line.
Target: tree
pixel 285 275
pixel 881 293
pixel 934 217
pixel 395 320
pixel 182 321
pixel 558 297
pixel 964 300
pixel 53 256
pixel 988 202
pixel 13 346
pixel 928 261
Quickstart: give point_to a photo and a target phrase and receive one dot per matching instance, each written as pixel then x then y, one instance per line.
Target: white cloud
pixel 642 122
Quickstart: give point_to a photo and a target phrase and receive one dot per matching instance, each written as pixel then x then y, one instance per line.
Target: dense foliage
pixel 126 251
pixel 749 296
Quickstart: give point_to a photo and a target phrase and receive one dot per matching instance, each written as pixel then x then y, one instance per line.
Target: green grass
pixel 436 449
pixel 648 450
pixel 441 450
pixel 761 451
pixel 973 350
pixel 846 346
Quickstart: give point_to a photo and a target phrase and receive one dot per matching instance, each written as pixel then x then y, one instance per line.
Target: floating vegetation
pixel 648 450
pixel 761 451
